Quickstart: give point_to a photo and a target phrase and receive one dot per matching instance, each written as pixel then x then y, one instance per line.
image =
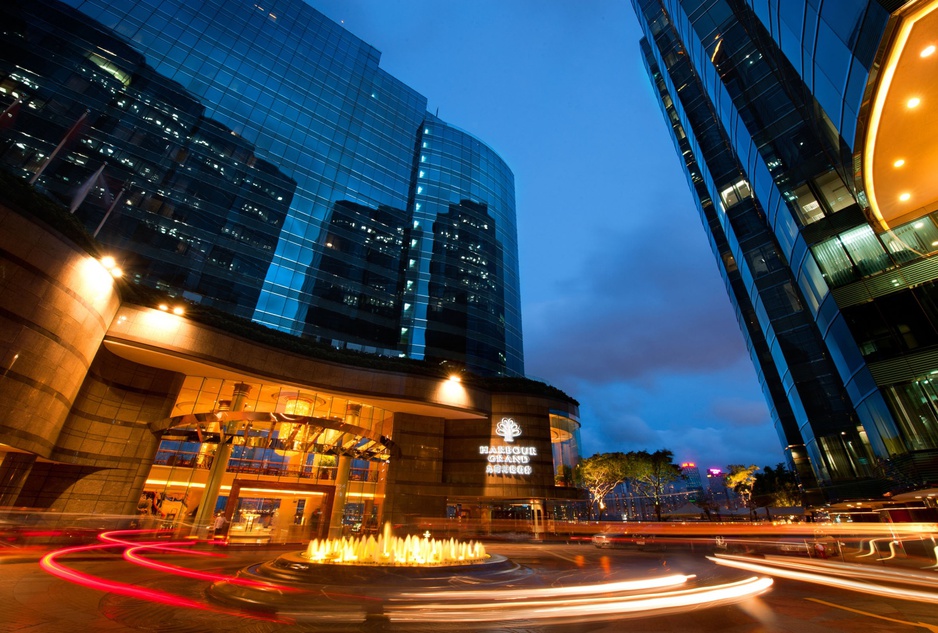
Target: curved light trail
pixel 51 564
pixel 582 609
pixel 815 573
pixel 587 602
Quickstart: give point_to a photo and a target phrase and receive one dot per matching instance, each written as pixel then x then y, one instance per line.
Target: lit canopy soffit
pixel 304 434
pixel 901 150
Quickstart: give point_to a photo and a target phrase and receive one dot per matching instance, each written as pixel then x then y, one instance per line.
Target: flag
pixel 73 131
pixel 97 178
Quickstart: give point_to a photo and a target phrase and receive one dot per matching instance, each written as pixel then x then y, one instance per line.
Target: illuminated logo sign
pixel 508 429
pixel 508 460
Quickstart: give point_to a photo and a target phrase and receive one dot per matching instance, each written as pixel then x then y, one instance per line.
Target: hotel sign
pixel 508 460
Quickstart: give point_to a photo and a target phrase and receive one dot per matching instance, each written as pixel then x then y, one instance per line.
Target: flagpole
pixel 117 198
pixel 9 115
pixel 68 135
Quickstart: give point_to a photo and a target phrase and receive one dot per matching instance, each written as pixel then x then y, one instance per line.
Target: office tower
pixel 806 131
pixel 691 474
pixel 256 159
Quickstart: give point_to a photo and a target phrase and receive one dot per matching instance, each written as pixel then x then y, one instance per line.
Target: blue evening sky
pixel 622 304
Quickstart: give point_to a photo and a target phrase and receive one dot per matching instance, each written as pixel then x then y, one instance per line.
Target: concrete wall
pixel 56 303
pixel 106 446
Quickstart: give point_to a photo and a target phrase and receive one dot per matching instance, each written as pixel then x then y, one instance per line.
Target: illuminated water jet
pixel 393 551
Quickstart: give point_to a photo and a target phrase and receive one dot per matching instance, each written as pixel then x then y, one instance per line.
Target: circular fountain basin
pixel 291 582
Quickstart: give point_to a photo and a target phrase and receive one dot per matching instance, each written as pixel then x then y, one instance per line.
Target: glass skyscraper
pixel 788 115
pixel 255 158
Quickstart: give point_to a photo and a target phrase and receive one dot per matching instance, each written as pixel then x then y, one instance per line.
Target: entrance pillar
pixel 352 415
pixel 206 513
pixel 537 510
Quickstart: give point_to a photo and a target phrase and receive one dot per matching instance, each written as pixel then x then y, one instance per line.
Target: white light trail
pixel 583 608
pixel 828 580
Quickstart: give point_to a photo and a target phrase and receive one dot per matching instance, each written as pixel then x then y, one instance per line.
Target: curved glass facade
pixel 462 277
pixel 763 99
pixel 269 168
pixel 565 445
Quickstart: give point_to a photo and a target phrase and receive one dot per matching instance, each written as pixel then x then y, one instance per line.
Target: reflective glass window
pixel 834 191
pixel 834 263
pixel 915 406
pixel 913 240
pixel 865 249
pixel 809 209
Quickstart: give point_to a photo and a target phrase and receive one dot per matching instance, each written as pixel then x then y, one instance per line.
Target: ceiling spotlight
pixel 913 102
pixel 110 264
pixel 905 196
pixel 927 51
pixel 899 163
pixel 179 311
pixel 163 307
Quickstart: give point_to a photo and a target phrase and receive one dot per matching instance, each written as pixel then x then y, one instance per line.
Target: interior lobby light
pixel 927 51
pixel 905 196
pixel 913 102
pixel 899 163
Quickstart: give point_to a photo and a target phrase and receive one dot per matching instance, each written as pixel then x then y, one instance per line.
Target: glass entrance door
pixel 268 512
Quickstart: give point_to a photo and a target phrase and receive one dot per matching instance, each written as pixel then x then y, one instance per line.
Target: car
pixel 604 540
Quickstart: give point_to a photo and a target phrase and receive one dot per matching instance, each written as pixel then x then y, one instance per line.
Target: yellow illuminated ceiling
pixel 901 152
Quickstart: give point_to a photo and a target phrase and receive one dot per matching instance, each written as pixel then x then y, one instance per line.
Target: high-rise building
pixel 256 159
pixel 807 131
pixel 691 477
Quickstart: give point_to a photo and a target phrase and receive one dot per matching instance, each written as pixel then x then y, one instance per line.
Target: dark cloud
pixel 715 419
pixel 637 307
pixel 738 412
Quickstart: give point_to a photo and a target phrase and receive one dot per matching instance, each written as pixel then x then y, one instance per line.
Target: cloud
pixel 637 307
pixel 740 413
pixel 712 419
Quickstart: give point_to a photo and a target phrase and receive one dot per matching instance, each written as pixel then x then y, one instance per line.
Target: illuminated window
pixel 834 191
pixel 809 209
pixel 733 194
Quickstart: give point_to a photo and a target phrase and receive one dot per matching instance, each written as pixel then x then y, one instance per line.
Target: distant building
pixel 717 491
pixel 691 476
pixel 807 131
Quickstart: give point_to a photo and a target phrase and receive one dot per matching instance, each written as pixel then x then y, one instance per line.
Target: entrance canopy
pixel 281 432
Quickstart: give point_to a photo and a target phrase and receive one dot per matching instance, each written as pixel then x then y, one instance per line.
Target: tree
pixel 563 476
pixel 600 474
pixel 740 479
pixel 706 503
pixel 776 487
pixel 652 472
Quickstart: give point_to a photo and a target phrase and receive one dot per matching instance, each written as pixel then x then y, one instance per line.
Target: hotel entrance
pixel 260 512
pixel 281 466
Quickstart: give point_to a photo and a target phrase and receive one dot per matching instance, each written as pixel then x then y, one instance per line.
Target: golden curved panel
pixel 901 151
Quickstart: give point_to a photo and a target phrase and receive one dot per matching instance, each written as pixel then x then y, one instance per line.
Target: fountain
pixel 368 568
pixel 394 551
